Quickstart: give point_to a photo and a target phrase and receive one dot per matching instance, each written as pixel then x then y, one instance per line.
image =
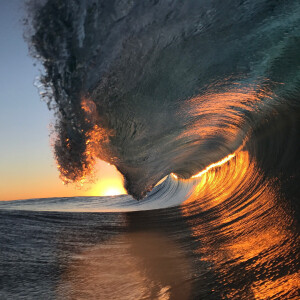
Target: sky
pixel 27 165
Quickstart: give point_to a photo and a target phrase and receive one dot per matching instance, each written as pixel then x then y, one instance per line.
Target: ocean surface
pixel 235 236
pixel 205 94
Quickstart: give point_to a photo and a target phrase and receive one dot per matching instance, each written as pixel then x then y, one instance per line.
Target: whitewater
pixel 197 105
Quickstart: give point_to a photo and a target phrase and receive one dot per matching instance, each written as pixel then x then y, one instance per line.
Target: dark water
pixel 155 87
pixel 161 87
pixel 235 236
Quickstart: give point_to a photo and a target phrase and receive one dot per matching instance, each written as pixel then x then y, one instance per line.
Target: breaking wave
pixel 160 87
pixel 204 94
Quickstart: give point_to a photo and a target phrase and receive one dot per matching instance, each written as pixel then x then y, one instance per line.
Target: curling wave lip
pixel 155 88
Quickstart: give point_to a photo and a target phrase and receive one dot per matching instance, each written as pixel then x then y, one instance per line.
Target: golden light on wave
pixel 211 166
pixel 246 231
pixel 217 164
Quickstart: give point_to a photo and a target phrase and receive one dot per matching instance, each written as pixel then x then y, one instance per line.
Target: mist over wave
pixel 156 87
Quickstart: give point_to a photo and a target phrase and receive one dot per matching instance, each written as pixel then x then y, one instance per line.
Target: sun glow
pixel 109 183
pixel 108 187
pixel 112 190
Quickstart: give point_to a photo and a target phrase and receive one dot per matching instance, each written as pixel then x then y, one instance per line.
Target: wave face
pixel 169 193
pixel 165 88
pixel 162 87
pixel 235 236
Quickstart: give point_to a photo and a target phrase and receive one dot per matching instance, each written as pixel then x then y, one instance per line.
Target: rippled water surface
pixel 236 236
pixel 202 93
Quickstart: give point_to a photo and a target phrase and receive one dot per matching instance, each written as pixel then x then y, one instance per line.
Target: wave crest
pixel 156 88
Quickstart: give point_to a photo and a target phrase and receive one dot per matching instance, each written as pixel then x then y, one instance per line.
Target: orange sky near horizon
pixel 27 165
pixel 36 183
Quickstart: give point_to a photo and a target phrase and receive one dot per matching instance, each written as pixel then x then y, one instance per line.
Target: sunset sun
pixel 109 183
pixel 108 187
pixel 113 191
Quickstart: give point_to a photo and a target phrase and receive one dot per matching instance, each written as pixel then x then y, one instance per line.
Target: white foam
pixel 171 192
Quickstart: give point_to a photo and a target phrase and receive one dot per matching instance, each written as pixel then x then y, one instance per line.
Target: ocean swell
pixel 163 87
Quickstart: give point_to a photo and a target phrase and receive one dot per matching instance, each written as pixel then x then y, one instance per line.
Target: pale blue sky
pixel 24 118
pixel 27 167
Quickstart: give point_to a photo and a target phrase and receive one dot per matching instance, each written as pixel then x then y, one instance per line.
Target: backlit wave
pixel 245 231
pixel 169 193
pixel 156 88
pixel 202 93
